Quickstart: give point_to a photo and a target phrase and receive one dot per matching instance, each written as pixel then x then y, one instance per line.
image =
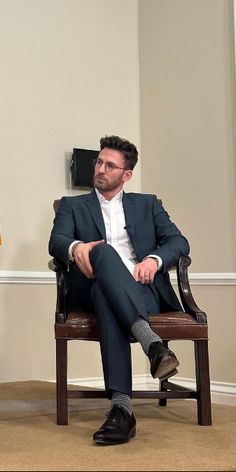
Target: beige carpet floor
pixel 168 438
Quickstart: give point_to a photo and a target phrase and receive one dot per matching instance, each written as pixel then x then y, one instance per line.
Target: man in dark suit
pixel 120 247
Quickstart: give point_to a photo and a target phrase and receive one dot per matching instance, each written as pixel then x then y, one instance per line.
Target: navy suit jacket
pixel 149 227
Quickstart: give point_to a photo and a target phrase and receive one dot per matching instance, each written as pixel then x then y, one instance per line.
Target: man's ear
pixel 127 175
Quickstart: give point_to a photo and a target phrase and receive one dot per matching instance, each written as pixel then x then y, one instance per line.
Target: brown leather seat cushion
pixel 169 326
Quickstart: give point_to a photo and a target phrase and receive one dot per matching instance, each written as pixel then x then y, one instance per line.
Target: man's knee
pixel 102 250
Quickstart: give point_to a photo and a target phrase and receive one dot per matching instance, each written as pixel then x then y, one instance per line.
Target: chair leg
pixel 163 401
pixel 61 379
pixel 203 383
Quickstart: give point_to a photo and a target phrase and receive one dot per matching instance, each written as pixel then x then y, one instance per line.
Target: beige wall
pixel 69 74
pixel 187 93
pixel 67 69
pixel 188 122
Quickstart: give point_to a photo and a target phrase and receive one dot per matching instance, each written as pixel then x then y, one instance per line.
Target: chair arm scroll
pixel 186 296
pixel 61 269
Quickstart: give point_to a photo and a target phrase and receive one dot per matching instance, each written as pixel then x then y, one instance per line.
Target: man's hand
pixel 145 271
pixel 81 256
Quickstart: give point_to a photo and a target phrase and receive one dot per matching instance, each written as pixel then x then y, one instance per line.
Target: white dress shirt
pixel 116 233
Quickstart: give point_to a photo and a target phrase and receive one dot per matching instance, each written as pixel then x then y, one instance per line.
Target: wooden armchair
pixel 190 324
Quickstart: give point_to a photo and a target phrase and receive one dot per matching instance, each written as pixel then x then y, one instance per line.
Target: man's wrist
pixel 157 259
pixel 72 248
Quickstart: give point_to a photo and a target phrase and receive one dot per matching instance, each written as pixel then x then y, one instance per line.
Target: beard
pixel 101 183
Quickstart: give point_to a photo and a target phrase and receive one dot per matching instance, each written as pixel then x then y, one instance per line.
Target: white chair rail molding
pixel 47 277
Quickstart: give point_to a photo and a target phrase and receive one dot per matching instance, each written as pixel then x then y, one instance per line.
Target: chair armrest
pixel 186 296
pixel 55 265
pixel 61 269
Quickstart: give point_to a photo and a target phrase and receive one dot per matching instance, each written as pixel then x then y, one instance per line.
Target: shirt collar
pixel 117 198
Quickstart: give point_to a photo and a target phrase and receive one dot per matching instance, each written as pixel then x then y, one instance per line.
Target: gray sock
pixel 123 401
pixel 142 331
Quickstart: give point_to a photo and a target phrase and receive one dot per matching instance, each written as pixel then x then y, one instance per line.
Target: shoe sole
pixel 166 368
pixel 174 372
pixel 114 442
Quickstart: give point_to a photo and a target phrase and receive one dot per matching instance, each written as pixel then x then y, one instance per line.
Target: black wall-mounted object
pixel 82 167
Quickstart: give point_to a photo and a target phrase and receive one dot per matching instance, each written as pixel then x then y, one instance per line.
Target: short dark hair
pixel 128 149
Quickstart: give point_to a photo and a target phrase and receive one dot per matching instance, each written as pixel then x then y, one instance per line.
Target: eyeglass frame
pixel 109 166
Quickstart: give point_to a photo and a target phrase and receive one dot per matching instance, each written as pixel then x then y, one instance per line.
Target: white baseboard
pixel 48 277
pixel 221 392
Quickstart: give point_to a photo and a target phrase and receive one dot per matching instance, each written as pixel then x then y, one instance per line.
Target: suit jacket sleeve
pixel 63 232
pixel 171 244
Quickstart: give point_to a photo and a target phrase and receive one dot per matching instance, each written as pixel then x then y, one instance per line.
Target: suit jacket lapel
pixel 96 213
pixel 95 210
pixel 130 213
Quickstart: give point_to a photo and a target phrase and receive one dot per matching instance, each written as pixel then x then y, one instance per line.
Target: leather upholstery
pixel 169 326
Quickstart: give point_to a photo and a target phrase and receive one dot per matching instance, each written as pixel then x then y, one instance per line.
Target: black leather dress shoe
pixel 163 361
pixel 117 429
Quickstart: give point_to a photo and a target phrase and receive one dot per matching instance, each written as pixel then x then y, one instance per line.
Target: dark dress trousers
pixel 116 297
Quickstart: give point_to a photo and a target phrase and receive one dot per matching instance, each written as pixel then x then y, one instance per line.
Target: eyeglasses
pixel 109 166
